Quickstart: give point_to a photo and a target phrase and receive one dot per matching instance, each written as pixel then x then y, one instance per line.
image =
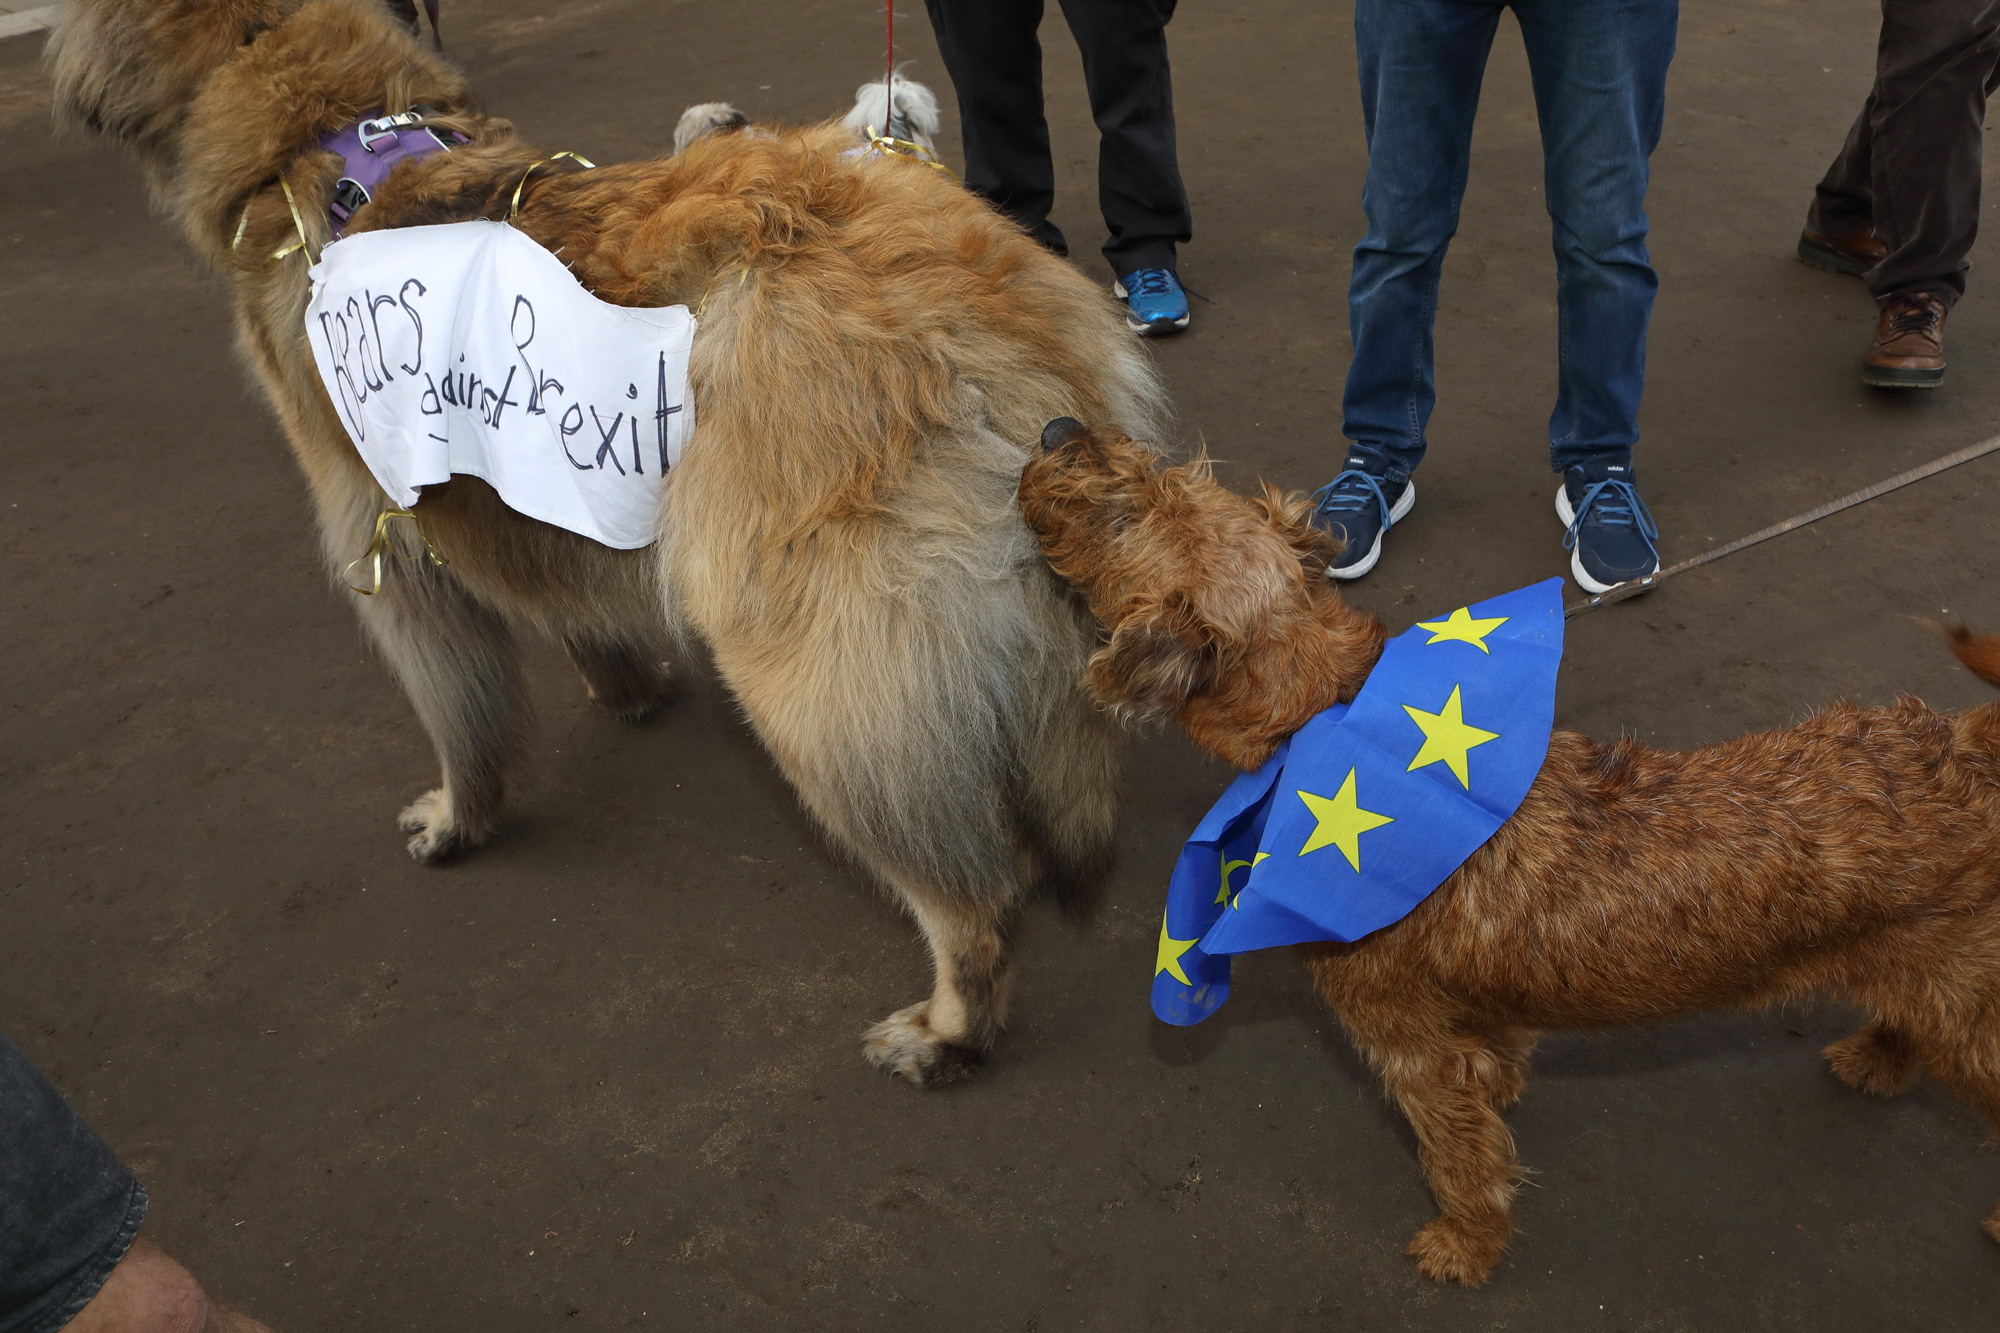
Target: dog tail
pixel 1979 652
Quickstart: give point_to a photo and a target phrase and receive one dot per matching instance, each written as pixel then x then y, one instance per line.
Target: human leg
pixel 1844 200
pixel 1600 71
pixel 149 1293
pixel 995 61
pixel 68 1208
pixel 1421 63
pixel 1139 187
pixel 1840 233
pixel 1934 68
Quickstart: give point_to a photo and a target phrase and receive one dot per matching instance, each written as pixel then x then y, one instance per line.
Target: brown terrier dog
pixel 1857 854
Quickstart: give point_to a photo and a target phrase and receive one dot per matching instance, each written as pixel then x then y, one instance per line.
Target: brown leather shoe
pixel 1855 253
pixel 1908 351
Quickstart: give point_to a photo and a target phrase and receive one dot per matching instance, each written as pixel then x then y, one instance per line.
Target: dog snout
pixel 1061 433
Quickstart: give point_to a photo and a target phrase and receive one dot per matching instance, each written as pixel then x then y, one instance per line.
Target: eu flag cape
pixel 1369 806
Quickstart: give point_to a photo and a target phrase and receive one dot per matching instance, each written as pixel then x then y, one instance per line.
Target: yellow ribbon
pixel 380 546
pixel 241 222
pixel 916 152
pixel 514 208
pixel 742 275
pixel 297 222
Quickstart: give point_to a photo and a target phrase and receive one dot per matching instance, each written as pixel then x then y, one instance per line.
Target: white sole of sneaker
pixel 1118 290
pixel 1576 570
pixel 1404 504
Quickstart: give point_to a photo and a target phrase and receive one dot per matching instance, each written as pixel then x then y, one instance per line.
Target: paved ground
pixel 605 1073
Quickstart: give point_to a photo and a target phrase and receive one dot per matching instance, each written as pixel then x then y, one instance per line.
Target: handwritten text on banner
pixel 468 348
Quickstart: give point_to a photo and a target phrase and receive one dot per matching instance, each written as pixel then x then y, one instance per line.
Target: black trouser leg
pixel 1910 165
pixel 995 62
pixel 1124 44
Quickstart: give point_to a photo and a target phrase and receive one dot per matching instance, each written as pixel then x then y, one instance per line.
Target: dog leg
pixel 1876 1060
pixel 1968 1063
pixel 1467 1153
pixel 919 791
pixel 943 1039
pixel 458 663
pixel 1504 1079
pixel 629 682
pixel 1066 808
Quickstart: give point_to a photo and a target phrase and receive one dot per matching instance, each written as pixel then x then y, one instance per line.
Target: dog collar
pixel 371 148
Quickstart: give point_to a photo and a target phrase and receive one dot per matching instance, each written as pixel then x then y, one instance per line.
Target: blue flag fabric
pixel 1367 808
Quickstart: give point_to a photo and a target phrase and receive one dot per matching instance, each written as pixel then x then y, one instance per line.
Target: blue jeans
pixel 68 1208
pixel 1600 73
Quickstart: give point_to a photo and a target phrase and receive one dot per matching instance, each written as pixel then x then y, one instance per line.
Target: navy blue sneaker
pixel 1355 508
pixel 1154 301
pixel 1610 530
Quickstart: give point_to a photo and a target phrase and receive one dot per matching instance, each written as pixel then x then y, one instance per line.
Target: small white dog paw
pixel 437 834
pixel 904 1044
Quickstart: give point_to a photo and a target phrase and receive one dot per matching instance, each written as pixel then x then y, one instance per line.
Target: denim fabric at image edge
pixel 68 1208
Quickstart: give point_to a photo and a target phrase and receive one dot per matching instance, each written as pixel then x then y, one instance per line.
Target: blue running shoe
pixel 1355 508
pixel 1610 530
pixel 1154 301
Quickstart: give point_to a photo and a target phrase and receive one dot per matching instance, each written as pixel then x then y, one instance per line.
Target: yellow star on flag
pixel 1222 896
pixel 1171 950
pixel 1342 821
pixel 1447 738
pixel 1461 627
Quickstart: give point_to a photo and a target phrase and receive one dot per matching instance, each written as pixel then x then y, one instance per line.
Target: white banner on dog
pixel 468 348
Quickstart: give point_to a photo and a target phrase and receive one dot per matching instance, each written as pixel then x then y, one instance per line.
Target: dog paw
pixel 1451 1250
pixel 437 834
pixel 903 1043
pixel 1870 1062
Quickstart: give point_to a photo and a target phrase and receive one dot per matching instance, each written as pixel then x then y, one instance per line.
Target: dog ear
pixel 1155 662
pixel 1286 512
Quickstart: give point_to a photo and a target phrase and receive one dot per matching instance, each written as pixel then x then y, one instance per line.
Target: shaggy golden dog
pixel 877 352
pixel 1857 854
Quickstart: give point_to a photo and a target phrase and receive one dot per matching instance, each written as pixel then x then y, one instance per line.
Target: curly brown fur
pixel 1855 855
pixel 877 351
pixel 1221 619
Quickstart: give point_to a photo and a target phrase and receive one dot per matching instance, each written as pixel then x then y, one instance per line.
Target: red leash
pixel 889 72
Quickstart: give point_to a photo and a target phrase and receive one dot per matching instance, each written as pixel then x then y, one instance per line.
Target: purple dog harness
pixel 371 148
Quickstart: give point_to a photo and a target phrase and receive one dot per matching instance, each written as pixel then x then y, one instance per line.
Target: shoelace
pixel 1349 493
pixel 1916 317
pixel 1149 282
pixel 1618 506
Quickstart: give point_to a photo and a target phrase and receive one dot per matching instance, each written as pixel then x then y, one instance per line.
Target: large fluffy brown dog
pixel 877 353
pixel 1857 854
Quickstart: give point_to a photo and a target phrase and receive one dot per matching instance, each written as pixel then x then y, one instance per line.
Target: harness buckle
pixel 348 196
pixel 385 127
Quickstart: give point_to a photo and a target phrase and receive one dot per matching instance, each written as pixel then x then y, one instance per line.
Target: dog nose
pixel 1062 431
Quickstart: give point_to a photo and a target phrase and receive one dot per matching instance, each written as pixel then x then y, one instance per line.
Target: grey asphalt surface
pixel 605 1073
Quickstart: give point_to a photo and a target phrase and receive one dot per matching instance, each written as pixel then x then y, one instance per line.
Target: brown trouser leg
pixel 1910 166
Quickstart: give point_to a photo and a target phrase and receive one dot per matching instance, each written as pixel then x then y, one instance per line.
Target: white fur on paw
pixel 436 834
pixel 903 1043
